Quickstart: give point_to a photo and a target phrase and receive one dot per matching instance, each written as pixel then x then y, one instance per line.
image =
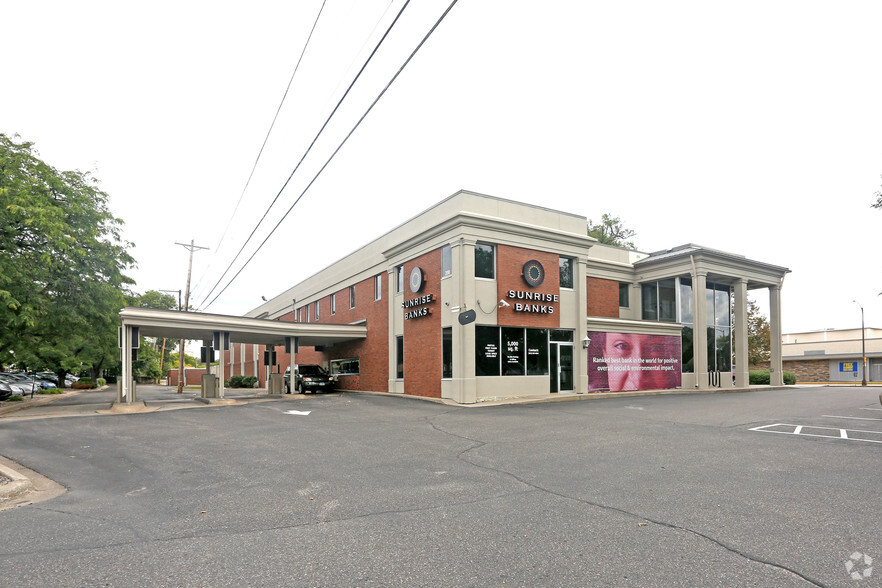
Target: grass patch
pixel 51 391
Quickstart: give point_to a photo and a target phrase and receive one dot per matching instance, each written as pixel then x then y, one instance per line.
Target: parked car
pixel 6 391
pixel 309 377
pixel 15 386
pixel 29 380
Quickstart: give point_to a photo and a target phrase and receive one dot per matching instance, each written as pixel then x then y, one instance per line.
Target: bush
pixel 15 398
pixel 763 378
pixel 100 382
pixel 249 381
pixel 235 382
pixel 83 384
pixel 51 391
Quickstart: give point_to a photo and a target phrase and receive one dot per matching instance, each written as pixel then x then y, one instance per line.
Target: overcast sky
pixel 751 127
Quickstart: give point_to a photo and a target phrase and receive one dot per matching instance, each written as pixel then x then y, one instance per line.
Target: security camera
pixel 503 303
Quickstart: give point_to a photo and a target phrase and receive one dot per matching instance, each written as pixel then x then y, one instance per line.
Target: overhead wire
pixel 265 139
pixel 308 149
pixel 340 146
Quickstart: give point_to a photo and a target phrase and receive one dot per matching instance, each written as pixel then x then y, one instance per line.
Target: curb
pixel 17 487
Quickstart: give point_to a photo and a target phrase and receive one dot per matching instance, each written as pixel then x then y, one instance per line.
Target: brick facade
pixel 509 276
pixel 603 297
pixel 422 334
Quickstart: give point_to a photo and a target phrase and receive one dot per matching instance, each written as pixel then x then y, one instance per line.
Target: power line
pixel 265 139
pixel 308 149
pixel 340 146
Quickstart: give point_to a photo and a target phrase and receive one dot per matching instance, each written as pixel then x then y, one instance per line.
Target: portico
pixel 221 331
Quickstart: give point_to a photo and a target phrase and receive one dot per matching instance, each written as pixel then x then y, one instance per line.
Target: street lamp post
pixel 863 347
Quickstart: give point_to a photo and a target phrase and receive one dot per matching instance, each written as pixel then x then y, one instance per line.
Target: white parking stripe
pixel 833 416
pixel 840 433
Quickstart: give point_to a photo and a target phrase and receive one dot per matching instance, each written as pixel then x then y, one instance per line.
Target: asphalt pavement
pixel 767 488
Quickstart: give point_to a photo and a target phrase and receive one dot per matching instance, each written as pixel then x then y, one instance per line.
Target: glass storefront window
pixel 649 298
pixel 686 301
pixel 447 352
pixel 537 352
pixel 513 363
pixel 486 351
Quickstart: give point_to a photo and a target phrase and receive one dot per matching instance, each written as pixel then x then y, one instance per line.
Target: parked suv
pixel 309 377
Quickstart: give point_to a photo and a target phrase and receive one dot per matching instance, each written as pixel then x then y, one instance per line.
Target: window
pixel 307 312
pixel 316 311
pixel 514 351
pixel 486 351
pixel 351 296
pixel 513 363
pixel 399 281
pixel 378 287
pixel 446 262
pixel 447 353
pixel 333 304
pixel 624 294
pixel 299 315
pixel 345 367
pixel 566 272
pixel 485 261
pixel 399 357
pixel 659 300
pixel 537 352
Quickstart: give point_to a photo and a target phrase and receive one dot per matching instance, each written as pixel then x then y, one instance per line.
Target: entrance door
pixel 561 371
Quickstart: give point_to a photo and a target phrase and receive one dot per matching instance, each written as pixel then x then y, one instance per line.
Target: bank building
pixel 482 298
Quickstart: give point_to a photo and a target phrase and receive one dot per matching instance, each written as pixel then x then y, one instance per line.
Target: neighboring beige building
pixel 833 355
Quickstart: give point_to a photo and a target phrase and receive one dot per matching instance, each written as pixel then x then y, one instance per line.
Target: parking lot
pixel 363 490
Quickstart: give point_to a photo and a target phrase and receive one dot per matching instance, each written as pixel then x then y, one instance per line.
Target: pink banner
pixel 625 361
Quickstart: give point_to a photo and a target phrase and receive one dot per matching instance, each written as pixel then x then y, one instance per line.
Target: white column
pixel 580 282
pixel 465 386
pixel 292 378
pixel 742 369
pixel 699 330
pixel 776 363
pixel 123 390
pixel 392 280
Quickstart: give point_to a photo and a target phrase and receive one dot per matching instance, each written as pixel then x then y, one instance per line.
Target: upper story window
pixel 333 304
pixel 566 272
pixel 351 296
pixel 316 311
pixel 659 300
pixel 378 287
pixel 485 261
pixel 624 294
pixel 307 312
pixel 399 279
pixel 446 262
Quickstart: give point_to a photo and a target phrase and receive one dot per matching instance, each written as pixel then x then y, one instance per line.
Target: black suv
pixel 309 377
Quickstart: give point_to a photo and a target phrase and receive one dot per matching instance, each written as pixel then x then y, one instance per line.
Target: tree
pixel 154 355
pixel 611 231
pixel 61 266
pixel 759 338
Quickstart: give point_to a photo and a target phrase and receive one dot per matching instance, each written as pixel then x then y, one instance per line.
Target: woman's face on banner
pixel 630 361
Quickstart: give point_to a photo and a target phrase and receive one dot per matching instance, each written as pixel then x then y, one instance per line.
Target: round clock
pixel 534 273
pixel 417 280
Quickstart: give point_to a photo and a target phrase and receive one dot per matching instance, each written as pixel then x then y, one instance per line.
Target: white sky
pixel 751 127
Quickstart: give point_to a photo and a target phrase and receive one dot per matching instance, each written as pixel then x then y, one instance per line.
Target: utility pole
pixel 162 355
pixel 191 248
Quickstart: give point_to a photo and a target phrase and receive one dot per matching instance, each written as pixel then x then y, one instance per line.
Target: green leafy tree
pixel 154 355
pixel 759 335
pixel 61 267
pixel 611 231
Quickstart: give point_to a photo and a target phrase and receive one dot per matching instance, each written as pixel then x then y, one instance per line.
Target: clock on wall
pixel 417 280
pixel 534 273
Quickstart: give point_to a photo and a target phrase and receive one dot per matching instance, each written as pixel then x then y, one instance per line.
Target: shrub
pixel 15 398
pixel 100 382
pixel 51 391
pixel 763 378
pixel 249 381
pixel 235 382
pixel 83 384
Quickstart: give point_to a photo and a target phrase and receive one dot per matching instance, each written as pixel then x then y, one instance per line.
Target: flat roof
pixel 174 324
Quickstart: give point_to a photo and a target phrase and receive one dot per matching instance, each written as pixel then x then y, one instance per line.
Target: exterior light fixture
pixel 586 342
